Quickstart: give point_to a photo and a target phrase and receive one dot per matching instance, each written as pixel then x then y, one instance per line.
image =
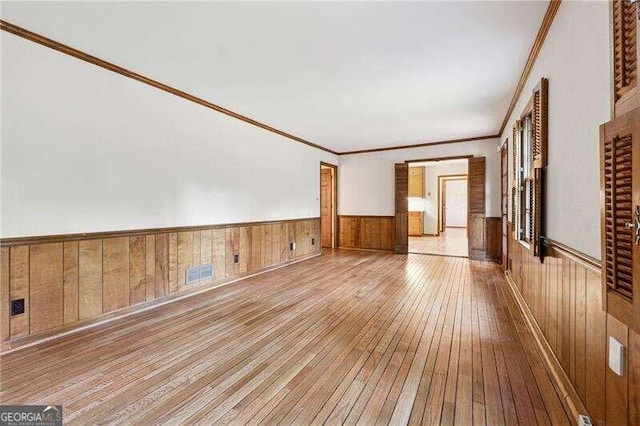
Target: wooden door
pixel 504 152
pixel 401 208
pixel 476 182
pixel 326 207
pixel 620 193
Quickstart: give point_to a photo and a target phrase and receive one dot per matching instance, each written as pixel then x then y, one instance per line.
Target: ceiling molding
pixel 552 9
pixel 78 54
pixel 420 145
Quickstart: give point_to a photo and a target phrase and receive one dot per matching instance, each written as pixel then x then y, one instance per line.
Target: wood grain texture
pixel 384 339
pixel 71 276
pixel 366 232
pixel 150 267
pixel 19 288
pixel 565 297
pixel 115 273
pixel 401 208
pixel 5 317
pixel 162 265
pixel 90 278
pixel 137 269
pixel 46 287
pixel 493 233
pixel 79 282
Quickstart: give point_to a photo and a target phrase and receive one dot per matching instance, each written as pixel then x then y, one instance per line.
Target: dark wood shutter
pixel 539 120
pixel 401 245
pixel 476 182
pixel 624 16
pixel 514 181
pixel 624 43
pixel 620 190
pixel 536 218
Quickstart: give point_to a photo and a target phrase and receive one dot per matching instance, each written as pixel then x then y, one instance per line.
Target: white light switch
pixel 616 356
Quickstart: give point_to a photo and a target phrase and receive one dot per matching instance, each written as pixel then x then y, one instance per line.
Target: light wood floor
pixel 348 337
pixel 451 242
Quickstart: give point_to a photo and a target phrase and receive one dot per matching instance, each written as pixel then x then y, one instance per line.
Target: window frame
pixel 524 175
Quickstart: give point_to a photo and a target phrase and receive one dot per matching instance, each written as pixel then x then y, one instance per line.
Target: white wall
pixel 431 184
pixel 575 59
pixel 84 150
pixel 456 193
pixel 367 180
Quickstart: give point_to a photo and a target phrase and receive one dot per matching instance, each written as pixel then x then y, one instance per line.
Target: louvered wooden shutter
pixel 539 119
pixel 513 181
pixel 536 208
pixel 625 70
pixel 477 199
pixel 401 245
pixel 620 189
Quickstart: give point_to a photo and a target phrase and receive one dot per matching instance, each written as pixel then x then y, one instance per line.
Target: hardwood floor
pixel 451 242
pixel 348 337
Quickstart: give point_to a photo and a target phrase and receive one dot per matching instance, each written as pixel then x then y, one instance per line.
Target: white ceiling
pixel 346 76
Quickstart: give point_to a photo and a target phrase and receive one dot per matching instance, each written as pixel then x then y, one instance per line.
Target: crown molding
pixel 83 56
pixel 78 54
pixel 420 145
pixel 549 16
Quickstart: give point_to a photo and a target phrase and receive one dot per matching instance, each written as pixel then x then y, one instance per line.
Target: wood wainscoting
pixel 69 281
pixel 367 232
pixel 564 298
pixel 493 239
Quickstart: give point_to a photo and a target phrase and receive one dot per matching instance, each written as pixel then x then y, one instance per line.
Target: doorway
pixel 438 211
pixel 328 205
pixel 453 199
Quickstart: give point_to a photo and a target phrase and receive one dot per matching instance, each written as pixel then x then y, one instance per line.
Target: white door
pixel 456 207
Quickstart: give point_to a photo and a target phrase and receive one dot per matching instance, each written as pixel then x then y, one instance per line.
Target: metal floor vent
pixel 198 273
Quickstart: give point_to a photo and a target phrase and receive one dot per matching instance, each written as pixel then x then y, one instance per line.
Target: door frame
pixel 397 191
pixel 442 180
pixel 334 213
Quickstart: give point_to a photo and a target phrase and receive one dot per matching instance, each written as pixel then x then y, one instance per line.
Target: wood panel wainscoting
pixel 69 281
pixel 367 232
pixel 562 300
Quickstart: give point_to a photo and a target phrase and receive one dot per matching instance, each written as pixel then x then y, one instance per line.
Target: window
pixel 525 179
pixel 529 161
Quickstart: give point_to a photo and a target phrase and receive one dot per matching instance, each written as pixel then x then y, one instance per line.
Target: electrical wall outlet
pixel 616 356
pixel 292 246
pixel 17 307
pixel 236 258
pixel 584 420
pixel 313 241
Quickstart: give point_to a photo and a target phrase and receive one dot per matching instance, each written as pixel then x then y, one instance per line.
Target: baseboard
pixel 571 402
pixel 21 343
pixel 365 249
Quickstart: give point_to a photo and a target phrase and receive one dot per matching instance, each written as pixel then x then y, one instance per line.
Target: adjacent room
pixel 320 213
pixel 438 213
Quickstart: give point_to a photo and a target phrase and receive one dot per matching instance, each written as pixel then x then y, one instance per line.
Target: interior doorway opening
pixel 329 205
pixel 438 207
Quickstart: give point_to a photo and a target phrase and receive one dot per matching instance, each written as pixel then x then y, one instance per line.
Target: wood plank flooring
pixel 451 242
pixel 349 337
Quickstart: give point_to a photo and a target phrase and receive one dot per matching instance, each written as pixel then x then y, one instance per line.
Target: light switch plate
pixel 616 356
